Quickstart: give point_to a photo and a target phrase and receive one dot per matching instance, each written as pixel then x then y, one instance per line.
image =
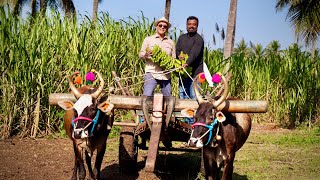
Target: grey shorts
pixel 150 85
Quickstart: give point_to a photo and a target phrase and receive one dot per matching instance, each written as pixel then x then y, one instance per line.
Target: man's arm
pixel 145 44
pixel 195 50
pixel 173 53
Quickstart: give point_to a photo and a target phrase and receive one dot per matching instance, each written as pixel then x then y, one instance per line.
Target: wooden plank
pixel 155 132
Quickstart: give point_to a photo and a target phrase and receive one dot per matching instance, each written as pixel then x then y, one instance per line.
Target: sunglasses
pixel 161 25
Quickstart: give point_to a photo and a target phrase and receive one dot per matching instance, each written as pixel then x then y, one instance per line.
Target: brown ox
pixel 87 123
pixel 219 134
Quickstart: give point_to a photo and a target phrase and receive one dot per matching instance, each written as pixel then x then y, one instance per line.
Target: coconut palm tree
pixel 167 10
pixel 231 28
pixel 95 9
pixel 304 16
pixel 67 6
pixel 17 6
pixel 273 48
pixel 257 50
pixel 242 48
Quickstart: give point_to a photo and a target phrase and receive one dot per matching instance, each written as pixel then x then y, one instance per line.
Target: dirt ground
pixel 53 159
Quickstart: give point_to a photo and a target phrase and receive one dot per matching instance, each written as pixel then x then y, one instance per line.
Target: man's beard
pixel 192 30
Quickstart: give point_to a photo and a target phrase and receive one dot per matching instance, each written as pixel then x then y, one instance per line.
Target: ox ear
pixel 188 112
pixel 66 104
pixel 220 116
pixel 106 107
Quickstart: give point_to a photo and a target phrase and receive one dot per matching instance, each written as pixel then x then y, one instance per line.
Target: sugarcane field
pixel 159 90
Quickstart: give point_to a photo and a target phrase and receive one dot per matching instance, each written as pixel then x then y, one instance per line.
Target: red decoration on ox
pixel 201 78
pixel 77 80
pixel 90 77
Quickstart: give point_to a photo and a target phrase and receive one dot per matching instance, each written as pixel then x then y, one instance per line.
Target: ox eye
pixel 92 109
pixel 210 119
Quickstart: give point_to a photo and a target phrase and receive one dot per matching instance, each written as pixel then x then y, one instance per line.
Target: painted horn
pixel 224 94
pixel 73 87
pixel 99 90
pixel 196 91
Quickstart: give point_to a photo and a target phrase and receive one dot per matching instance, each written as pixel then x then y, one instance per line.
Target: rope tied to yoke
pixel 158 74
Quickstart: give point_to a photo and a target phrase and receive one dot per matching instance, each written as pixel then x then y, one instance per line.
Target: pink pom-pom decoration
pixel 90 76
pixel 201 78
pixel 216 78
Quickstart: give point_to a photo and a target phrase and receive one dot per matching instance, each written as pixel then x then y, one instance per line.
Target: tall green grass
pixel 38 55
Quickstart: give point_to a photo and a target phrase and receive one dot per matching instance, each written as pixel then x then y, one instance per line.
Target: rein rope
pixel 117 79
pixel 159 74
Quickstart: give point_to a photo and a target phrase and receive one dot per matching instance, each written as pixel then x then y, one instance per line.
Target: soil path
pixel 41 159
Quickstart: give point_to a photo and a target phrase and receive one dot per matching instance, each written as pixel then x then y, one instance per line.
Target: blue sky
pixel 257 20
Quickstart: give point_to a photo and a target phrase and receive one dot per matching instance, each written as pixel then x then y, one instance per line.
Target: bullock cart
pixel 156 119
pixel 161 122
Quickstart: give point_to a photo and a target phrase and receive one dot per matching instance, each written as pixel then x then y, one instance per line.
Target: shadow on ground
pixel 168 166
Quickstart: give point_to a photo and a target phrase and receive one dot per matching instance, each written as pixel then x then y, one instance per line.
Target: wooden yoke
pixel 134 102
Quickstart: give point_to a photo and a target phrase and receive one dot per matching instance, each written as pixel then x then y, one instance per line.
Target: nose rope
pixel 94 121
pixel 210 129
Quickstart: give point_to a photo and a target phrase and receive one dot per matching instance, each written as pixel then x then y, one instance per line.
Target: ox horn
pixel 224 94
pixel 99 90
pixel 196 91
pixel 73 87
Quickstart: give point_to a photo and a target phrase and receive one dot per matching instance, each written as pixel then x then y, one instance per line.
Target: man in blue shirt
pixel 192 44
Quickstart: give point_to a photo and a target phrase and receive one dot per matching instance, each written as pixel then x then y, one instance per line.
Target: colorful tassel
pixel 216 78
pixel 77 80
pixel 90 77
pixel 202 78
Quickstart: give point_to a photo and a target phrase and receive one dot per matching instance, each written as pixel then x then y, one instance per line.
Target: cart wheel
pixel 128 150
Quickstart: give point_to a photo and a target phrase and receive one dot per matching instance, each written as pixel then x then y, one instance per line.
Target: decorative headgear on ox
pixel 207 118
pixel 87 109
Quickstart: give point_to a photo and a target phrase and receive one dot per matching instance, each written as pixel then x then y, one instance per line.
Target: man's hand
pixel 181 57
pixel 148 54
pixel 185 65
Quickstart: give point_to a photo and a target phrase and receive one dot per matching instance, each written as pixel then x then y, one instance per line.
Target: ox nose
pixel 80 134
pixel 192 142
pixel 195 142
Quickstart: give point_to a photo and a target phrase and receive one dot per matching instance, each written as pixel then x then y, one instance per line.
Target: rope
pixel 183 86
pixel 190 78
pixel 158 74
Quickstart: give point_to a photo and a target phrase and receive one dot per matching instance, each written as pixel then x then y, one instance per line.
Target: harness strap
pixel 94 121
pixel 81 118
pixel 210 129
